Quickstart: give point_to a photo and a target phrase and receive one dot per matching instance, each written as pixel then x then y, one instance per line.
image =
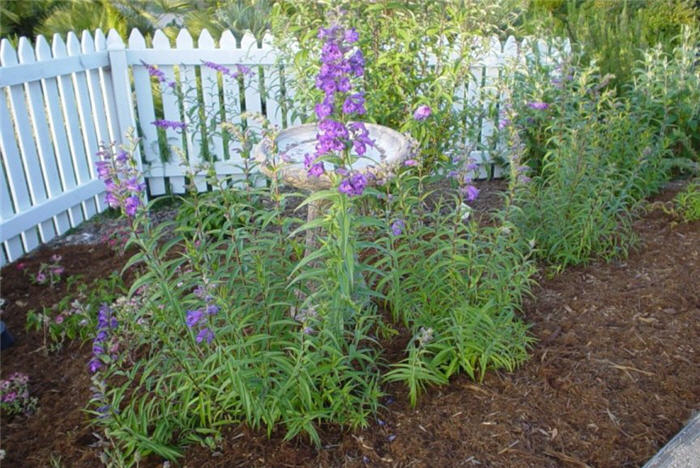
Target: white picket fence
pixel 62 101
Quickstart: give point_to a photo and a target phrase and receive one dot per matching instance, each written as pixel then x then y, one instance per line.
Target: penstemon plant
pixel 233 318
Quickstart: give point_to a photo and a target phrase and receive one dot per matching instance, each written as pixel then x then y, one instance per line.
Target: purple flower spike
pixel 410 162
pixel 166 124
pixel 538 105
pixel 422 113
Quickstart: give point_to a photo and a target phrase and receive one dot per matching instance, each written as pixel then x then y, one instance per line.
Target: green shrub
pixel 687 202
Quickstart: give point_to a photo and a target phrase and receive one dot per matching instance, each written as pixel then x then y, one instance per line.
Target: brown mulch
pixel 614 375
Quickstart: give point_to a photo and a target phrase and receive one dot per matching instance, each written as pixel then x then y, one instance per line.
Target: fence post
pixel 121 85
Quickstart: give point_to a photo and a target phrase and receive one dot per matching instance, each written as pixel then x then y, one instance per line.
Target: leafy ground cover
pixel 611 378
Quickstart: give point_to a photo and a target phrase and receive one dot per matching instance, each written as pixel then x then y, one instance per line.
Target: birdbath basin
pixel 389 150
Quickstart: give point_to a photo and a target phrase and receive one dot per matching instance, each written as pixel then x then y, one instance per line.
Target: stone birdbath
pixel 390 149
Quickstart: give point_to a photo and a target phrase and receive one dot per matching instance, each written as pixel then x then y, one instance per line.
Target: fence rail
pixel 60 102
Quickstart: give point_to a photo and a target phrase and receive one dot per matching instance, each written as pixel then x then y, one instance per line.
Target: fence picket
pixel 107 89
pixel 190 92
pixel 15 172
pixel 75 137
pixel 210 97
pixel 13 245
pixel 251 81
pixel 47 158
pixel 146 113
pixel 27 147
pixel 272 91
pixel 97 103
pixel 87 124
pixel 58 131
pixel 232 102
pixel 171 111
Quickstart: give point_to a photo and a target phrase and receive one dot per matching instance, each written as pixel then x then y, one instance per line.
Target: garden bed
pixel 612 377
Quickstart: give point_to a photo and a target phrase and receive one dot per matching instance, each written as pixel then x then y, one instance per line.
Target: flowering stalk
pixel 122 179
pixel 341 64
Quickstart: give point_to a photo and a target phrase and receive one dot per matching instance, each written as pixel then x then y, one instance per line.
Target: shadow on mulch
pixel 613 376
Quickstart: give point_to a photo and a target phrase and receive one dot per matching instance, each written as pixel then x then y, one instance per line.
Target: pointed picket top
pixel 136 40
pixel 543 48
pixel 160 40
pixel 87 44
pixel 567 46
pixel 268 40
pixel 493 53
pixel 227 40
pixel 184 40
pixel 100 40
pixel 8 56
pixel 510 47
pixel 114 40
pixel 73 44
pixel 25 51
pixel 248 41
pixel 526 46
pixel 205 40
pixel 43 49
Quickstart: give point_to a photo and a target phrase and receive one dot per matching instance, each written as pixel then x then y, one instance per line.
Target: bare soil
pixel 613 376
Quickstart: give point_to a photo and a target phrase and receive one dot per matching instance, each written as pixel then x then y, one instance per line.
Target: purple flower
pixel 351 36
pixel 122 156
pixel 410 162
pixel 217 67
pixel 357 63
pixel 131 205
pixel 212 309
pixel 397 227
pixel 165 124
pixel 538 105
pixel 316 170
pixel 102 169
pixel 111 200
pixel 242 70
pixel 133 185
pixel 355 104
pixel 470 192
pixel 503 123
pixel 422 113
pixel 158 74
pixel 205 334
pixel 192 317
pixel 40 278
pixel 353 185
pixel 105 321
pixel 323 109
pixel 94 365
